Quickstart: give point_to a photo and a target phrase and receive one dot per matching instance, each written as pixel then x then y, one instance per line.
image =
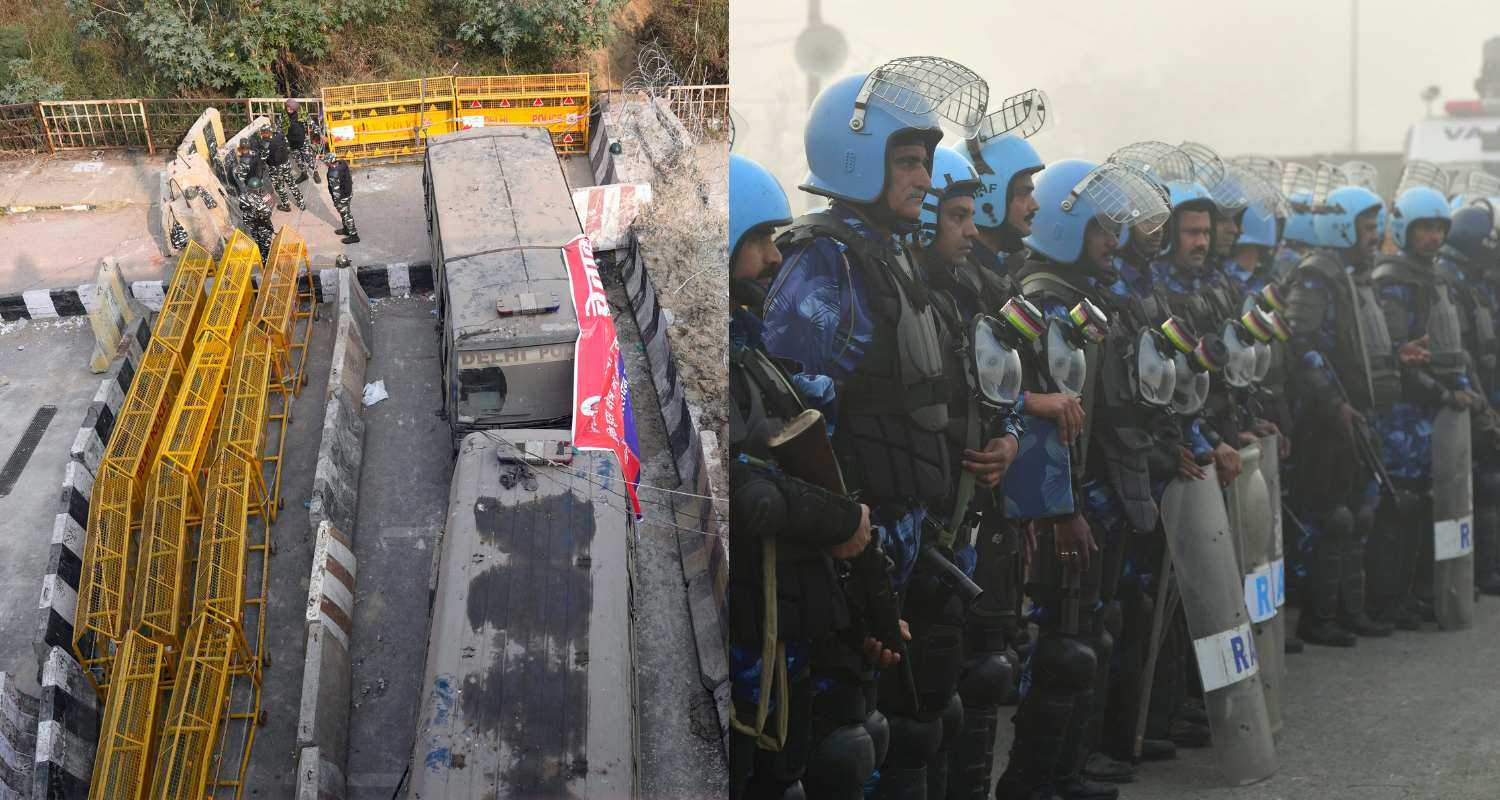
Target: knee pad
pixel 913 742
pixel 987 680
pixel 1063 664
pixel 843 760
pixel 1338 524
pixel 879 729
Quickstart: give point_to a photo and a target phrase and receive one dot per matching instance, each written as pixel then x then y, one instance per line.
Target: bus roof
pixel 503 212
pixel 529 685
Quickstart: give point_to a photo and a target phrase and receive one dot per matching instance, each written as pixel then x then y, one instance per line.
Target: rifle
pixel 1365 444
pixel 802 450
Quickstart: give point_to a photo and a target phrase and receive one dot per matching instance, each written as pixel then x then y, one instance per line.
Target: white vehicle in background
pixel 1467 137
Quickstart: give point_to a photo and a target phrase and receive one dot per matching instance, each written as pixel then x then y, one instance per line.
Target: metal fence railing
pixel 151 124
pixel 160 123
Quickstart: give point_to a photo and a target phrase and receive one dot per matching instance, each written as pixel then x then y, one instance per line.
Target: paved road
pixel 1408 717
pixel 40 363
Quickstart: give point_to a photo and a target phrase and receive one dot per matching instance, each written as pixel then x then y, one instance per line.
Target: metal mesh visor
pixel 1163 162
pixel 1361 173
pixel 1263 167
pixel 1298 179
pixel 1024 115
pixel 1479 183
pixel 1328 177
pixel 1422 173
pixel 1259 192
pixel 926 85
pixel 1120 195
pixel 1213 173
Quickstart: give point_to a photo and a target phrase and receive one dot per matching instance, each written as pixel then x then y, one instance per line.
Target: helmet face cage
pixel 1161 161
pixel 1214 174
pixel 1479 183
pixel 1263 167
pixel 1261 193
pixel 1422 173
pixel 1361 173
pixel 1328 178
pixel 922 85
pixel 1297 179
pixel 1119 195
pixel 1024 115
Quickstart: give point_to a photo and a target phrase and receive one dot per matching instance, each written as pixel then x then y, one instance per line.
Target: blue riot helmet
pixel 756 200
pixel 1418 202
pixel 1474 234
pixel 1455 203
pixel 1299 226
pixel 852 122
pixel 1072 192
pixel 952 176
pixel 1335 223
pixel 999 152
pixel 1258 227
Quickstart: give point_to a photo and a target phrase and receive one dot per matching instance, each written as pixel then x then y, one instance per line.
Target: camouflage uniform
pixel 341 191
pixel 278 156
pixel 304 134
pixel 255 212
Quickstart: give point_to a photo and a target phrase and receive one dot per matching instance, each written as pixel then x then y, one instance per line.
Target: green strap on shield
pixel 965 480
pixel 773 679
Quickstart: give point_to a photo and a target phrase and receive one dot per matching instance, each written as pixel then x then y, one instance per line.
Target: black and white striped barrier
pixel 379 280
pixel 59 596
pixel 705 559
pixel 17 740
pixel 67 729
pixel 601 157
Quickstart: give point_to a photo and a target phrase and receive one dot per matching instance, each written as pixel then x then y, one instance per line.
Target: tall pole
pixel 1353 76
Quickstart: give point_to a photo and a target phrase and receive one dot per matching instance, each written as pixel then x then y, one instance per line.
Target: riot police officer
pixel 785 533
pixel 1426 433
pixel 1342 368
pixel 1471 256
pixel 1082 207
pixel 850 305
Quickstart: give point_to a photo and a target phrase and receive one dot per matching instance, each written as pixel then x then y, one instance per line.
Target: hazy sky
pixel 1269 77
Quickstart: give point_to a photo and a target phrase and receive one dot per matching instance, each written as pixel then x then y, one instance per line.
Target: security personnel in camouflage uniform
pixel 851 306
pixel 793 527
pixel 341 191
pixel 304 135
pixel 278 156
pixel 1342 368
pixel 248 174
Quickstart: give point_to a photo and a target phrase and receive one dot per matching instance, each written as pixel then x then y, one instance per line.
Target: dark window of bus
pixel 481 391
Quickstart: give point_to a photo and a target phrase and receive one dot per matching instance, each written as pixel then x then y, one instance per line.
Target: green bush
pixel 694 35
pixel 537 34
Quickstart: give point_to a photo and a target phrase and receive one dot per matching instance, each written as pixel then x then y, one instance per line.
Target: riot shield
pixel 1452 520
pixel 1248 501
pixel 1270 467
pixel 1197 529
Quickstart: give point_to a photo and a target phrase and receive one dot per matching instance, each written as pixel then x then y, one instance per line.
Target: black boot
pixel 1158 750
pixel 340 232
pixel 283 206
pixel 1317 625
pixel 1041 725
pixel 1101 767
pixel 351 239
pixel 1292 646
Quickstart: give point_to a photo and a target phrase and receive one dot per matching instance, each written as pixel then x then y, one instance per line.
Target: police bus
pixel 498 213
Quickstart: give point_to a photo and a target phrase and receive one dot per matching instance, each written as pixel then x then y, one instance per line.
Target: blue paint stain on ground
pixel 442 697
pixel 437 759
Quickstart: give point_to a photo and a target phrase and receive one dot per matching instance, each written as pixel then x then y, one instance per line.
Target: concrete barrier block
pixel 67 728
pixel 323 718
pixel 317 777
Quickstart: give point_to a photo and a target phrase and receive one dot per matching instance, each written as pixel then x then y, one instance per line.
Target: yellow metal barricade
pixel 212 651
pixel 173 497
pixel 129 724
pixel 116 499
pixel 559 103
pixel 384 122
